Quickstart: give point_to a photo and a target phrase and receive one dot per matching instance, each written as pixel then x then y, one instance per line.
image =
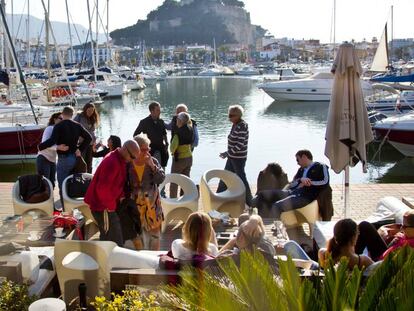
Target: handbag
pixel 77 186
pixel 80 166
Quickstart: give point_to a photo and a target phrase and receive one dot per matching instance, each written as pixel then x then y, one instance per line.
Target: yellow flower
pixel 138 304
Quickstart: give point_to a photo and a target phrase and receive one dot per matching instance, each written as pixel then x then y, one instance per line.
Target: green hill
pixel 192 21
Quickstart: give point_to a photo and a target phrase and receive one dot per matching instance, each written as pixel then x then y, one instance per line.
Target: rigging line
pixel 383 142
pixel 38 45
pixel 76 29
pixel 20 20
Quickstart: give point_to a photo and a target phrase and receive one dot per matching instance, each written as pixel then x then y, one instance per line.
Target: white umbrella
pixel 348 129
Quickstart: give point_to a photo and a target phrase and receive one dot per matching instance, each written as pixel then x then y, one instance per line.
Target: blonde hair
pixel 185 118
pixel 236 109
pixel 197 232
pixel 181 107
pixel 253 230
pixel 142 139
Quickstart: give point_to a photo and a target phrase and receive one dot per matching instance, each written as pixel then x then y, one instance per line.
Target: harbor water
pixel 277 129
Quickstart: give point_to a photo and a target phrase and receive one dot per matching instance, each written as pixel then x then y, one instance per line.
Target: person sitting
pixel 113 143
pixel 198 238
pixel 343 245
pixel 250 236
pixel 377 248
pixel 272 177
pixel 309 181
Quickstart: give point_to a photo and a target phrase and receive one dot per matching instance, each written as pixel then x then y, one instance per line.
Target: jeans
pixel 237 166
pixel 294 250
pixel 87 156
pixel 114 233
pixel 180 166
pixel 64 168
pixel 46 168
pixel 271 203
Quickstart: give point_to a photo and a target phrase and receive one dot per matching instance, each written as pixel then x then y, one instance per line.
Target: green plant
pixel 254 286
pixel 130 300
pixel 15 297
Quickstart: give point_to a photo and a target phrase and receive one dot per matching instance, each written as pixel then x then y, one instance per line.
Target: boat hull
pixel 20 142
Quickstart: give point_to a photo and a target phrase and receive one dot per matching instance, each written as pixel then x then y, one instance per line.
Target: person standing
pixel 112 143
pixel 107 189
pixel 67 132
pixel 155 129
pixel 46 158
pixel 172 126
pixel 236 153
pixel 181 146
pixel 89 119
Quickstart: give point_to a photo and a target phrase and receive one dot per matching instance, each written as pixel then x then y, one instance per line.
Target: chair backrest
pixel 73 270
pixel 232 181
pixel 186 184
pixel 17 195
pixel 65 185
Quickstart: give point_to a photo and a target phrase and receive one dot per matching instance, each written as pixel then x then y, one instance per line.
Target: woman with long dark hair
pixel 89 119
pixel 343 245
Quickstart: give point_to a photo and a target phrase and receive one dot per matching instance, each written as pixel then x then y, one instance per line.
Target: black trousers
pixel 271 203
pixel 369 238
pixel 114 233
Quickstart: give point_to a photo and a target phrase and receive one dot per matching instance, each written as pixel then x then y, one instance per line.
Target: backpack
pixel 77 186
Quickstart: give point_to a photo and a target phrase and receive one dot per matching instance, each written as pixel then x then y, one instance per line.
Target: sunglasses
pixel 131 155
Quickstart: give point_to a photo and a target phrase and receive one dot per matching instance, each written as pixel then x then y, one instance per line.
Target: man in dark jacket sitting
pixel 309 181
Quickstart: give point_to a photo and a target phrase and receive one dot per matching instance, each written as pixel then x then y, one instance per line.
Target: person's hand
pixel 148 160
pixel 62 147
pixel 223 155
pixel 304 181
pixel 78 153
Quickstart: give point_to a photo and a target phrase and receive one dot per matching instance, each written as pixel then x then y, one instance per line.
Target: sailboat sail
pixel 380 62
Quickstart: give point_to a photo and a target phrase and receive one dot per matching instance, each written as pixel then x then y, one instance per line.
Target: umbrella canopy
pixel 348 129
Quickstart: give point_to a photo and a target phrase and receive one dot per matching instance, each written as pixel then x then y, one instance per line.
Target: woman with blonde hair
pixel 181 149
pixel 250 236
pixel 197 238
pixel 89 119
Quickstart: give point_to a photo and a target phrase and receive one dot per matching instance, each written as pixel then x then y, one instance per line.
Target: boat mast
pixel 28 34
pixel 49 95
pixel 392 33
pixel 107 31
pixel 13 50
pixel 3 42
pixel 334 29
pixel 215 54
pixel 90 31
pixel 70 32
pixel 96 37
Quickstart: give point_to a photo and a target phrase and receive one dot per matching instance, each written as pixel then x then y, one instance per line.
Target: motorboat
pixel 248 71
pixel 317 87
pixel 390 100
pixel 213 70
pixel 399 131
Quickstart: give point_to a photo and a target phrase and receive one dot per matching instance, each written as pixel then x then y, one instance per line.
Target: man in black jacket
pixel 309 181
pixel 154 127
pixel 67 133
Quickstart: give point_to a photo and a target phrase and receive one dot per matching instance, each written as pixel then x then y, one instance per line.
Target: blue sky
pixel 356 19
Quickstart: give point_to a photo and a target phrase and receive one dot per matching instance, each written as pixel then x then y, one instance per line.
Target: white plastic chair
pixel 20 207
pixel 181 207
pixel 83 262
pixel 231 200
pixel 308 214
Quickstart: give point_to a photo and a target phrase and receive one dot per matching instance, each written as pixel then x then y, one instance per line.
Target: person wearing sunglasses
pixel 236 153
pixel 106 190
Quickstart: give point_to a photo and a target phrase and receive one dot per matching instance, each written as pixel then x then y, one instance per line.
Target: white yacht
pixel 212 71
pixel 248 71
pixel 317 87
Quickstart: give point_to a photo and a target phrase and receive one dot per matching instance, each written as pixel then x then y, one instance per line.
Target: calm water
pixel 277 129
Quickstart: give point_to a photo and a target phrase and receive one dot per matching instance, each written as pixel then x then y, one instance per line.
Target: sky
pixel 299 19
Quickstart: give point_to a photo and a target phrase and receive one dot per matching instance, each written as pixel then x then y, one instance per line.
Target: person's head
pixel 197 232
pixel 130 150
pixel 67 112
pixel 345 235
pixel 304 157
pixel 114 142
pixel 408 224
pixel 183 118
pixel 144 145
pixel 250 233
pixel 55 118
pixel 155 109
pixel 89 112
pixel 235 113
pixel 181 108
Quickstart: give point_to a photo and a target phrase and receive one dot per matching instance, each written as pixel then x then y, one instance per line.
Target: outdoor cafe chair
pixel 231 200
pixel 20 207
pixel 83 262
pixel 308 214
pixel 182 206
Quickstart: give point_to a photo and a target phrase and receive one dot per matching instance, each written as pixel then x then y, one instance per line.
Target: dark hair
pixel 94 118
pixel 344 231
pixel 116 141
pixel 53 117
pixel 68 111
pixel 152 105
pixel 305 152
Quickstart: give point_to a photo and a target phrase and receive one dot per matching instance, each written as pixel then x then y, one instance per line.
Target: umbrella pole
pixel 346 201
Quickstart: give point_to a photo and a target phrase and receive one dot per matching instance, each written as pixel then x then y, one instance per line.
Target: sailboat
pixel 19 141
